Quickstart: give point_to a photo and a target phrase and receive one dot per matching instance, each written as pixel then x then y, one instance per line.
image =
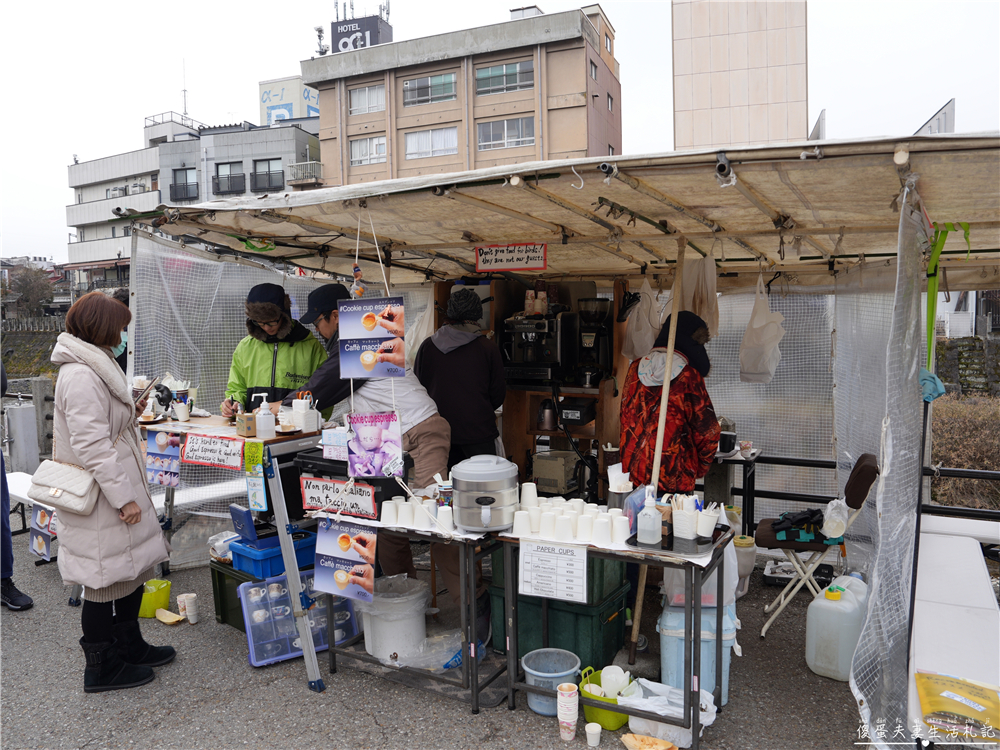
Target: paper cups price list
pixel 553 571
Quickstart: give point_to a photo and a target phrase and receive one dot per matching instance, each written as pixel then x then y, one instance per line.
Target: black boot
pixel 134 650
pixel 107 671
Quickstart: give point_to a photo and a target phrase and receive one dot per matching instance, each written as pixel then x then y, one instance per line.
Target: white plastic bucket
pixel 833 627
pixel 394 622
pixel 546 668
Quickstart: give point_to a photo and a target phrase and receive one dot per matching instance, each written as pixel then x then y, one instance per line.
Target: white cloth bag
pixel 643 325
pixel 698 293
pixel 759 353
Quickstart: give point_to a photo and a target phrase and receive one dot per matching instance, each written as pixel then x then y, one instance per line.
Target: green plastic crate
pixel 594 632
pixel 604 577
pixel 226 581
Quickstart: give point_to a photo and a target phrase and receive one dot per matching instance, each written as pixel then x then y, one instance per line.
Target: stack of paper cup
pixel 522 524
pixel 620 530
pixel 187 605
pixel 446 521
pixel 529 495
pixel 568 709
pixel 686 524
pixel 389 517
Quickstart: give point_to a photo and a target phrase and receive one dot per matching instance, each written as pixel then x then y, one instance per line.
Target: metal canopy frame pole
pixel 271 471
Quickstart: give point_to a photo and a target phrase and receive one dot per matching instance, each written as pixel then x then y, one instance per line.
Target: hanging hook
pixel 580 186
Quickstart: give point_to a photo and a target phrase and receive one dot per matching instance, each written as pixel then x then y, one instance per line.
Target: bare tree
pixel 35 289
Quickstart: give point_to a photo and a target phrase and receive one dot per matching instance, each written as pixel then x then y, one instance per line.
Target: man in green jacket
pixel 277 357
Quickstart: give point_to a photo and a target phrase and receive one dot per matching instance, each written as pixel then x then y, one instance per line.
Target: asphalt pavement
pixel 210 697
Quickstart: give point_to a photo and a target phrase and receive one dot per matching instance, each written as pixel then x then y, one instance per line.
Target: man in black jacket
pixel 463 372
pixel 10 596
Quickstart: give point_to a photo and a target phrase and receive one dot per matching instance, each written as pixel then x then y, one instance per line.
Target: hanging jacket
pixel 272 366
pixel 93 426
pixel 691 432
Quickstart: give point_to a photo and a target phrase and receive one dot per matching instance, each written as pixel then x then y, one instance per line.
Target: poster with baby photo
pixel 345 559
pixel 372 338
pixel 376 450
pixel 163 458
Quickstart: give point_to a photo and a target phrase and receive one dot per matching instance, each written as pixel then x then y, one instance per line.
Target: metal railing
pixel 165 117
pixel 42 323
pixel 228 184
pixel 262 181
pixel 185 191
pixel 305 170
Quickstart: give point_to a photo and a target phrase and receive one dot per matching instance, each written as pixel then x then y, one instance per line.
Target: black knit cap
pixel 269 293
pixel 324 299
pixel 464 305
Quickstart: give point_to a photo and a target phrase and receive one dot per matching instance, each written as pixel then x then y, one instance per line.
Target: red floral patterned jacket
pixel 690 436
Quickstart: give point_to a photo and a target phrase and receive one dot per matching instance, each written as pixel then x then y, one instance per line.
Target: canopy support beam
pixel 510 213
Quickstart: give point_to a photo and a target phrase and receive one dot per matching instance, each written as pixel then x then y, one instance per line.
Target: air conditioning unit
pixel 138 187
pixel 117 192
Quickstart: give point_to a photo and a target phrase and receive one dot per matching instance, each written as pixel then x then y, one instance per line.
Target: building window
pixel 611 103
pixel 593 70
pixel 112 232
pixel 429 90
pixel 229 178
pixel 611 150
pixel 425 143
pixel 367 151
pixel 126 231
pixel 185 185
pixel 367 99
pixel 607 42
pixel 267 175
pixel 506 133
pixel 500 79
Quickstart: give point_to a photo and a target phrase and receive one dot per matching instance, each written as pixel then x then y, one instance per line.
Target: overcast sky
pixel 89 73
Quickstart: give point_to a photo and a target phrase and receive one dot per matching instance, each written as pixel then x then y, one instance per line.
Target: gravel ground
pixel 209 697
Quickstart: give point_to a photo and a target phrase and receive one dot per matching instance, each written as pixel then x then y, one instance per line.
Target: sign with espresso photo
pixel 345 559
pixel 372 338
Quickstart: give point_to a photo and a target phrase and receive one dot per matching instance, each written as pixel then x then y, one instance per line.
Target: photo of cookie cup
pixel 369 321
pixel 344 540
pixel 369 360
pixel 341 577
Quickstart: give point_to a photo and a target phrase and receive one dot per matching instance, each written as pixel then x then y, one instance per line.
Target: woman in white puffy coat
pixel 114 550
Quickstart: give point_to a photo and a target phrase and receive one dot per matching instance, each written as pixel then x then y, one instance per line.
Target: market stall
pixel 842 228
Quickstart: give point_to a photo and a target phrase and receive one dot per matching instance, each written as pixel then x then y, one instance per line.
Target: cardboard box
pixel 246 425
pixel 554 471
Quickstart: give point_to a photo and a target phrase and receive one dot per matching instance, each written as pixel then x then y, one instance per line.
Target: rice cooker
pixel 484 493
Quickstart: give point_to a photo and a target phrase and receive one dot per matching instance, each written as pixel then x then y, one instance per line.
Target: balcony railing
pixel 264 181
pixel 185 191
pixel 305 173
pixel 228 184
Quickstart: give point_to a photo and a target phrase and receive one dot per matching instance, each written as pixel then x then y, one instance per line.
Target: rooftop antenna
pixel 184 91
pixel 352 8
pixel 322 49
pixel 336 9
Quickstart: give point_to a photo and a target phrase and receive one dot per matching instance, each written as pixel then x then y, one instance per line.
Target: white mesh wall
pixel 189 316
pixel 879 668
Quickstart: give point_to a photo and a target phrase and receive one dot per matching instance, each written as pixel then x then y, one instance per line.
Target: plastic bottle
pixel 265 419
pixel 833 627
pixel 649 526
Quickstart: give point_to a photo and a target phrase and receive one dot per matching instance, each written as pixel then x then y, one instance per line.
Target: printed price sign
pixel 372 338
pixel 512 258
pixel 319 493
pixel 554 571
pixel 345 559
pixel 226 453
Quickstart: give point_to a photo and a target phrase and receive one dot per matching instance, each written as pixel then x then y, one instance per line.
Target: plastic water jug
pixel 833 627
pixel 856 586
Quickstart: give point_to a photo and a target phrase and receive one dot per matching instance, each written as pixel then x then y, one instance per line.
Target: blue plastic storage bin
pixel 272 635
pixel 264 563
pixel 671 628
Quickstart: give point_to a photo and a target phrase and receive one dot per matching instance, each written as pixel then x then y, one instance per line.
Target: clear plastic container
pixel 649 526
pixel 833 627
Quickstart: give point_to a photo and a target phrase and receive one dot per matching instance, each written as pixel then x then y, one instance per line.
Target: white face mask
pixel 117 350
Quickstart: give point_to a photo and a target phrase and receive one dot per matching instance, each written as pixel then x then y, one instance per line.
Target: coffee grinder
pixel 595 340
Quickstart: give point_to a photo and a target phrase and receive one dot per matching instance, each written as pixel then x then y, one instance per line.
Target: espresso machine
pixel 540 348
pixel 595 340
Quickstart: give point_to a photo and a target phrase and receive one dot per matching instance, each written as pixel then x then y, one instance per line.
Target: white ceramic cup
pixel 593 730
pixel 389 516
pixel 535 518
pixel 446 519
pixel 529 494
pixel 547 526
pixel 573 517
pixel 182 412
pixel 602 531
pixel 522 523
pixel 404 514
pixel 585 528
pixel 621 529
pixel 592 509
pixel 564 529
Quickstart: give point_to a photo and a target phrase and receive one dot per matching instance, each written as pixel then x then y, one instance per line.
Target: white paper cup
pixel 578 505
pixel 399 498
pixel 592 509
pixel 547 507
pixel 574 518
pixel 567 730
pixel 615 512
pixel 621 529
pixel 529 494
pixel 421 518
pixel 191 607
pixel 182 605
pixel 547 526
pixel 404 514
pixel 706 523
pixel 564 529
pixel 593 730
pixel 389 515
pixel 585 528
pixel 602 531
pixel 446 519
pixel 535 518
pixel 522 523
pixel 594 689
pixel 182 412
pixel 685 524
pixel 431 506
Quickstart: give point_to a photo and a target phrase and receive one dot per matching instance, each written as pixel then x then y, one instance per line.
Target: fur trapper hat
pixel 267 302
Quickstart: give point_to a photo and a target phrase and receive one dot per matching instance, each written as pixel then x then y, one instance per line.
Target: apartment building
pixel 183 161
pixel 535 87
